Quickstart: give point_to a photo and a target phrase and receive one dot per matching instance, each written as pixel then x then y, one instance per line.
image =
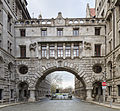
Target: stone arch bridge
pixel 38 69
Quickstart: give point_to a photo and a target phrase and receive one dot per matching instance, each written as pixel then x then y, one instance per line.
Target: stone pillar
pixel 32 96
pixel 72 54
pixel 63 50
pixel 55 50
pixel 79 50
pixel 89 95
pixel 48 51
pixel 39 51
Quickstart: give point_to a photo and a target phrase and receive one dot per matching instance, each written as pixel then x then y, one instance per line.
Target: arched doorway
pixel 46 73
pixel 97 92
pixel 23 91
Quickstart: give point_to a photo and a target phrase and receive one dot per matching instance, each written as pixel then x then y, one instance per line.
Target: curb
pixel 13 104
pixel 105 105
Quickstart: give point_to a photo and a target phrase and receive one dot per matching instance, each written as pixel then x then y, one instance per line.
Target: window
pixel 52 50
pixel 60 50
pixel 97 68
pixel 110 23
pixel 60 32
pixel 118 90
pixel 11 92
pixel 43 32
pixel 97 49
pixel 76 32
pixel 22 32
pixel 44 50
pixel 1 94
pixel 110 45
pixel 9 47
pixel 109 90
pixel 68 50
pixel 76 50
pixel 23 51
pixel 97 30
pixel 23 69
pixel 9 23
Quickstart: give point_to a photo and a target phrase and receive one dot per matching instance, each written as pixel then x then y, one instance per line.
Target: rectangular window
pixel 44 50
pixel 52 50
pixel 118 90
pixel 43 32
pixel 76 50
pixel 109 90
pixel 1 94
pixel 97 30
pixel 60 32
pixel 68 50
pixel 60 50
pixel 110 45
pixel 76 32
pixel 9 23
pixel 22 32
pixel 23 51
pixel 97 49
pixel 12 93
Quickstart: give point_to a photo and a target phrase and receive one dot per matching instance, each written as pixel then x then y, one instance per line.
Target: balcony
pixel 67 22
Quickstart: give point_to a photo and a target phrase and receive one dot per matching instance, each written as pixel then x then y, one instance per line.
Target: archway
pixel 97 92
pixel 47 72
pixel 23 91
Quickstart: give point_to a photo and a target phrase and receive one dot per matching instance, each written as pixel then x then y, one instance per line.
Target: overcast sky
pixel 50 8
pixel 68 79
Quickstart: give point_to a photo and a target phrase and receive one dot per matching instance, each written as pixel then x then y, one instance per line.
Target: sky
pixel 68 79
pixel 50 8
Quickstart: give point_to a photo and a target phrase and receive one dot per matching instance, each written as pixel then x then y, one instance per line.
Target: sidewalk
pixel 107 104
pixel 11 104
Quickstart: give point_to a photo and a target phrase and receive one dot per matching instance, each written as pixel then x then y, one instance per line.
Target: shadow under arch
pixel 50 70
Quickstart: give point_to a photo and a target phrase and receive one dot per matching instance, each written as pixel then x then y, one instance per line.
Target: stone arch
pixel 23 92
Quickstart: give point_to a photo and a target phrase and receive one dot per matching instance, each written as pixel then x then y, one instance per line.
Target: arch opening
pixel 53 70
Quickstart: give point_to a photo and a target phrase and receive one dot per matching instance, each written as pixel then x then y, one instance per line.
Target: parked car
pixel 69 96
pixel 54 95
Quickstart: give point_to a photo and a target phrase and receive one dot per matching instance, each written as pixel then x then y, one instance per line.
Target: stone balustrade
pixel 67 21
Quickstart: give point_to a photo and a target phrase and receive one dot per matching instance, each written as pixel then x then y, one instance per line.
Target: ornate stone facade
pixel 33 48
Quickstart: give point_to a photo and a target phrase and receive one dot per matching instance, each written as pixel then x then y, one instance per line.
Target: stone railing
pixel 67 21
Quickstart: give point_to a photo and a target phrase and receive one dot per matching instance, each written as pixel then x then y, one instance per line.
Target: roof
pixel 92 12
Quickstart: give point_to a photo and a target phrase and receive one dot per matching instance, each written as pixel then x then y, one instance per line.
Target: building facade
pixel 30 49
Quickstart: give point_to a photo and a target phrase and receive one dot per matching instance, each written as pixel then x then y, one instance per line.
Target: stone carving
pixel 32 46
pixel 87 46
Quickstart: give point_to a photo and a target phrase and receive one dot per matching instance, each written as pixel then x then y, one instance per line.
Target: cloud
pixel 50 8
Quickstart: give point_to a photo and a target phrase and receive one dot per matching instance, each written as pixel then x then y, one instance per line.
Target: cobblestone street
pixel 58 105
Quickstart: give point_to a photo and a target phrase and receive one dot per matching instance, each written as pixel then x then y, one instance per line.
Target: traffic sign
pixel 103 87
pixel 104 83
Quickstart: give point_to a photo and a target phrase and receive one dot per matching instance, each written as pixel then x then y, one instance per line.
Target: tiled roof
pixel 92 12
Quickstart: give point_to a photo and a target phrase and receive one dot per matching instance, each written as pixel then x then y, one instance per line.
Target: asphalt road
pixel 57 105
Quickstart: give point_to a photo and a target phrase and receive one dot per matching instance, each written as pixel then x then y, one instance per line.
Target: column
pixel 79 50
pixel 89 95
pixel 39 51
pixel 72 54
pixel 55 50
pixel 47 51
pixel 32 96
pixel 63 50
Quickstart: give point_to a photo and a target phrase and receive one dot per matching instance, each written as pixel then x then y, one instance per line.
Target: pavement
pixel 60 105
pixel 107 104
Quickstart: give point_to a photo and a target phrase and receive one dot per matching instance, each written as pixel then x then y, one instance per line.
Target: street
pixel 57 105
